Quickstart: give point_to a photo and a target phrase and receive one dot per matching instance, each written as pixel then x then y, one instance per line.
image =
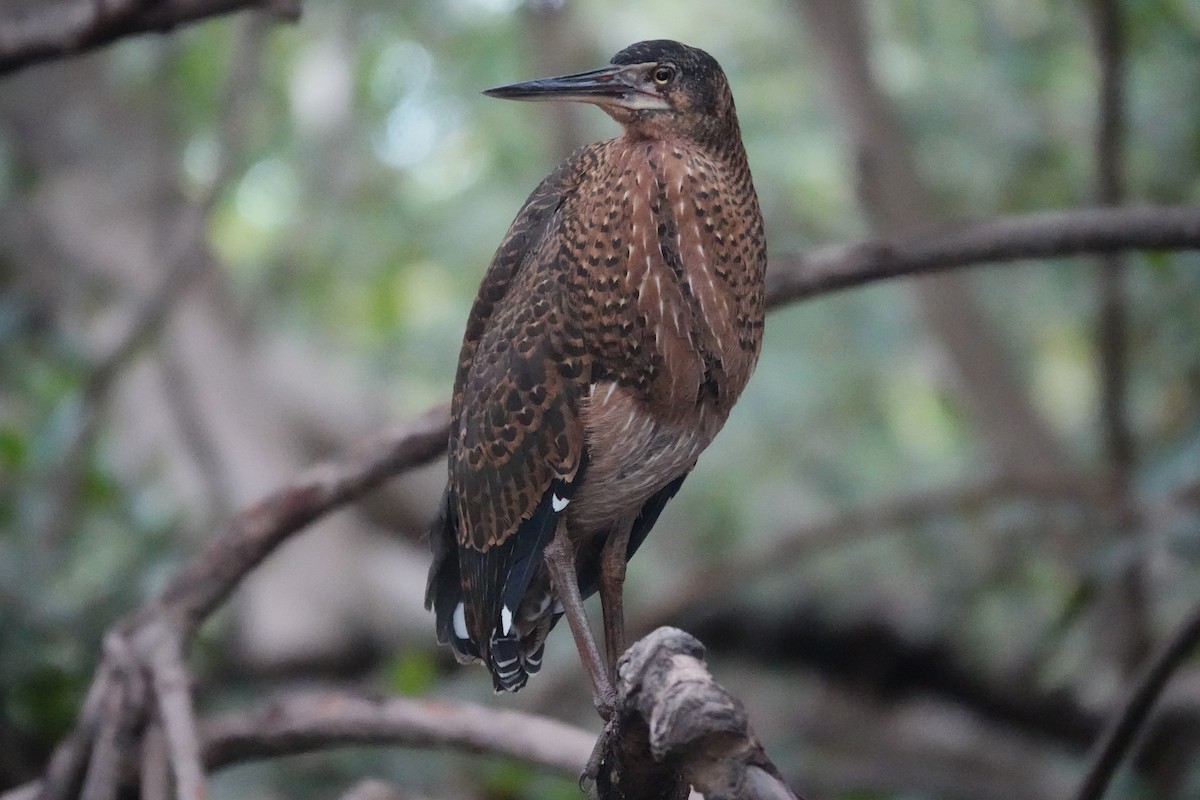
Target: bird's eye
pixel 663 74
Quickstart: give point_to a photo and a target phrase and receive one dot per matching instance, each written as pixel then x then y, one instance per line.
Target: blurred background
pixel 929 548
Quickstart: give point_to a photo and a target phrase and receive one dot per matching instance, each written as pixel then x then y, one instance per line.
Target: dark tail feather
pixel 507 664
pixel 443 591
pixel 533 661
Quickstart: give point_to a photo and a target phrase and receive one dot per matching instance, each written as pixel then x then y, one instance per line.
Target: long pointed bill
pixel 622 85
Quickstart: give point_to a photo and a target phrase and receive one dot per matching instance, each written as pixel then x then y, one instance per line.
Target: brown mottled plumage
pixel 614 330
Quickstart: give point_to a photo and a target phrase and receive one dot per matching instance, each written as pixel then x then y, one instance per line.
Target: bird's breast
pixel 669 273
pixel 633 454
pixel 668 276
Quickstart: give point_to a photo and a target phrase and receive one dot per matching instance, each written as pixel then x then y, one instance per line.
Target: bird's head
pixel 656 89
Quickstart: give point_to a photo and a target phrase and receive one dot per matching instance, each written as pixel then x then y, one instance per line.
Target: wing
pixel 518 457
pixel 516 442
pixel 523 236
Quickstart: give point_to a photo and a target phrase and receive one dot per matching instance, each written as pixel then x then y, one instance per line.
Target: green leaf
pixel 411 673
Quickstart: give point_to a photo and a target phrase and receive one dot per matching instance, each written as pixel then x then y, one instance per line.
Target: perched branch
pixel 1046 234
pixel 677 730
pixel 304 722
pixel 1124 727
pixel 60 30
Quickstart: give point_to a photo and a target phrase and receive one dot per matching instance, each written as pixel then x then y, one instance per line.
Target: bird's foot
pixel 604 745
pixel 605 701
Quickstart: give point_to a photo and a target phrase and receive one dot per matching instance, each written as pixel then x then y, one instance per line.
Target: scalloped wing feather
pixel 516 440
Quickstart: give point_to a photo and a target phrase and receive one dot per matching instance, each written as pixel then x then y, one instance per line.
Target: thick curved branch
pixel 1049 234
pixel 304 722
pixel 60 30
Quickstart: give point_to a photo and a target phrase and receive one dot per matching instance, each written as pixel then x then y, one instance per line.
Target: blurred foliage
pixel 59 588
pixel 375 181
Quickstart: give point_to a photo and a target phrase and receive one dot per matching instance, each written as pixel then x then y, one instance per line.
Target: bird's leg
pixel 613 559
pixel 560 560
pixel 612 583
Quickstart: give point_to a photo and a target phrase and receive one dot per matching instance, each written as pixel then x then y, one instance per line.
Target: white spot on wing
pixel 460 621
pixel 505 620
pixel 558 504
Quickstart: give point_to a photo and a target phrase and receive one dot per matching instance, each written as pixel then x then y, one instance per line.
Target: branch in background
pixel 909 509
pixel 240 100
pixel 895 198
pixel 302 723
pixel 1046 234
pixel 877 658
pixel 61 30
pixel 66 481
pixel 1125 629
pixel 553 43
pixel 376 789
pixel 1123 728
pixel 185 259
pixel 154 772
pixel 204 583
pixel 152 641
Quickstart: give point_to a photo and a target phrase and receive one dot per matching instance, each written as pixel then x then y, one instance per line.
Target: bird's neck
pixel 719 138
